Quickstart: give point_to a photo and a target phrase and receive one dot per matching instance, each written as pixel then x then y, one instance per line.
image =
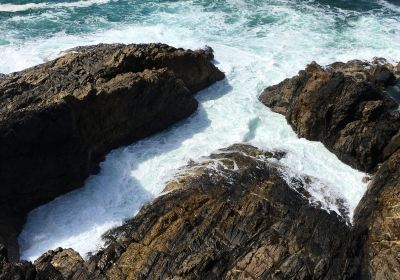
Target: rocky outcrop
pixel 234 215
pixel 59 119
pixel 61 264
pixel 351 108
pixel 345 106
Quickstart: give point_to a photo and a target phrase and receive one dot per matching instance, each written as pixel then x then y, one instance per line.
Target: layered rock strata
pixel 234 215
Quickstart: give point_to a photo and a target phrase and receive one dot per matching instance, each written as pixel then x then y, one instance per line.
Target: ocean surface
pixel 256 43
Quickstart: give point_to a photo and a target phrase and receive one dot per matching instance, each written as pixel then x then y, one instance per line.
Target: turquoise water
pixel 256 43
pixel 339 24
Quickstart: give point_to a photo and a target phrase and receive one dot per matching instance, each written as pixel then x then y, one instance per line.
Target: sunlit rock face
pixel 233 215
pixel 345 106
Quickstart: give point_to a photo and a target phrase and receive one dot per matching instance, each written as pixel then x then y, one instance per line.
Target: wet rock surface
pixel 345 106
pixel 59 119
pixel 239 214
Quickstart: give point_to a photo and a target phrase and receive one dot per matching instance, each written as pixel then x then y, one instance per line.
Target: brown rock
pixel 59 119
pixel 343 105
pixel 238 214
pixel 346 106
pixel 377 220
pixel 232 216
pixel 61 264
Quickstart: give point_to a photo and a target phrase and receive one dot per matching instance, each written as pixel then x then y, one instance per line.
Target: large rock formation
pixel 235 215
pixel 345 107
pixel 59 119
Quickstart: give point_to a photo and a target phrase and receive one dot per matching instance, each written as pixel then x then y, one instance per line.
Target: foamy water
pixel 256 43
pixel 12 8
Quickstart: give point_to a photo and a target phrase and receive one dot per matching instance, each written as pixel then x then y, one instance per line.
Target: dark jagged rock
pixel 59 264
pixel 345 106
pixel 233 216
pixel 22 270
pixel 59 119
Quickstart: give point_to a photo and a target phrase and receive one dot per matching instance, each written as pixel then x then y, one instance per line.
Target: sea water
pixel 256 43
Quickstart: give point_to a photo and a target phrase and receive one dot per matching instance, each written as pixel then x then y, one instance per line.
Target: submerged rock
pixel 345 106
pixel 59 119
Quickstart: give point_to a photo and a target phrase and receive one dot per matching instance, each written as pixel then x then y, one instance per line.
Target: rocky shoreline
pixel 237 214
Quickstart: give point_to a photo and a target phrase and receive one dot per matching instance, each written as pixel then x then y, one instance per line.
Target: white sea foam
pixel 389 6
pixel 253 55
pixel 13 8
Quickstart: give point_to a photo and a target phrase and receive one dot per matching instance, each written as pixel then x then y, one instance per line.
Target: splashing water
pixel 256 43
